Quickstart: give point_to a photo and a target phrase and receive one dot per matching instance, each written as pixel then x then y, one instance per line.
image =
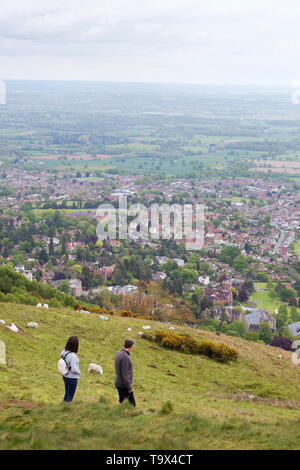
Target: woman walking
pixel 69 355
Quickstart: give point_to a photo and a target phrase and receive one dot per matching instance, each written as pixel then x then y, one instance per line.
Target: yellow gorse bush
pixel 130 314
pixel 185 343
pixel 93 309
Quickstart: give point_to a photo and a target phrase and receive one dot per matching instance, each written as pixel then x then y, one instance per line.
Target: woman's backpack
pixel 62 365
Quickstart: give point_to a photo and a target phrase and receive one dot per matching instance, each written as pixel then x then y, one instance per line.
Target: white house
pixel 179 262
pixel 204 280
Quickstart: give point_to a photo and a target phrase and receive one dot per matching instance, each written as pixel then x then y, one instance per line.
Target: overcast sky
pixel 197 41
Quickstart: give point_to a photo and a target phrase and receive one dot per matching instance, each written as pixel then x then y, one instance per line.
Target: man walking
pixel 124 372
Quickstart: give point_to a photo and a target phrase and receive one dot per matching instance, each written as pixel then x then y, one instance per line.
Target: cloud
pixel 166 40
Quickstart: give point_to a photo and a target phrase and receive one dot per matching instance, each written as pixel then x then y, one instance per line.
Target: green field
pixel 236 199
pixel 263 300
pixel 131 158
pixel 297 247
pixel 248 404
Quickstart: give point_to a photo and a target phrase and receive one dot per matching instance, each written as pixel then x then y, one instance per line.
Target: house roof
pixel 295 328
pixel 256 317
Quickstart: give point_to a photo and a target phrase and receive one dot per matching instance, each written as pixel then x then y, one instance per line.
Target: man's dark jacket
pixel 124 370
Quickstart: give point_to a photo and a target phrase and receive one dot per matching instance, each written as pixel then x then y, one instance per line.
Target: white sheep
pixel 279 356
pixel 129 329
pixel 13 327
pixel 39 305
pixel 140 333
pixel 95 368
pixel 147 327
pixel 103 317
pixel 45 306
pixel 33 324
pixel 3 322
pixel 84 311
pixel 171 328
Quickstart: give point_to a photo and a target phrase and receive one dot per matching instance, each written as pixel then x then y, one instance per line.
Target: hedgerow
pixel 185 343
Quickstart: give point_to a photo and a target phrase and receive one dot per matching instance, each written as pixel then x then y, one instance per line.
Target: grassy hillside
pixel 253 403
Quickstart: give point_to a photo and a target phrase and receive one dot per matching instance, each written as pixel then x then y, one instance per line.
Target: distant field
pixel 147 153
pixel 92 179
pixel 40 212
pixel 236 199
pixel 72 157
pixel 295 178
pixel 260 285
pixel 277 166
pixel 175 165
pixel 278 163
pixel 78 165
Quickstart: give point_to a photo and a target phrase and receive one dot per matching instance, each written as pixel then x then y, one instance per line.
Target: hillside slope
pixel 248 404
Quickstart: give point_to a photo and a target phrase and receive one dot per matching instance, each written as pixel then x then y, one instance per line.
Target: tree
pixel 280 320
pixel 285 332
pixel 175 283
pixel 247 247
pixel 293 302
pixel 63 246
pixel 209 324
pixel 58 275
pixel 87 278
pixel 283 311
pixel 285 294
pixel 205 303
pixel 281 342
pixel 251 336
pixel 80 254
pixel 272 294
pixel 65 286
pixel 43 256
pixel 229 253
pixel 294 315
pixel 51 247
pixel 297 285
pixel 197 296
pixel 240 264
pixel 281 317
pixel 120 277
pixel 6 284
pixel 242 295
pixel 248 286
pixel 188 275
pixel 240 328
pixel 265 332
pixel 262 277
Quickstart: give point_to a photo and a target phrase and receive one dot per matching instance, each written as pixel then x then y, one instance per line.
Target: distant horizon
pixel 205 84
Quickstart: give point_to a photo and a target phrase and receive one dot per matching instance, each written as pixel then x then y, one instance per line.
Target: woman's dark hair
pixel 72 344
